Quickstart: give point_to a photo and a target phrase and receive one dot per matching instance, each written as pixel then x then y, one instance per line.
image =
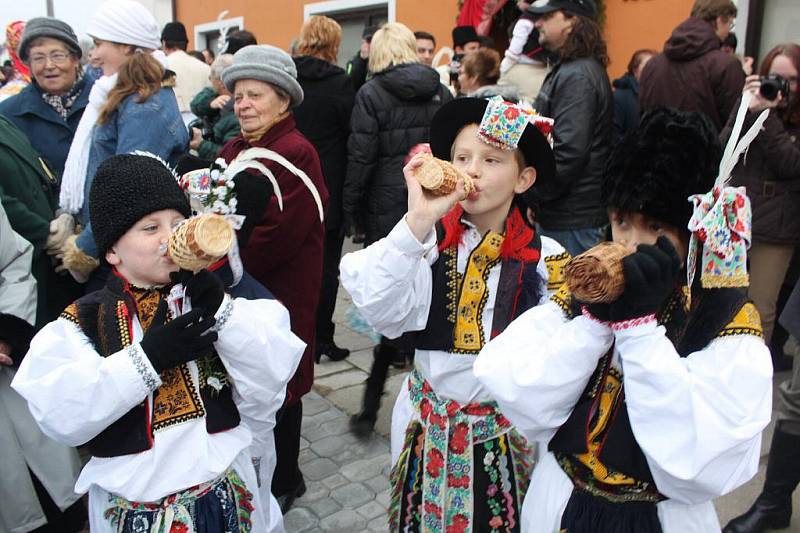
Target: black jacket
pixel 626 105
pixel 324 118
pixel 392 113
pixel 577 95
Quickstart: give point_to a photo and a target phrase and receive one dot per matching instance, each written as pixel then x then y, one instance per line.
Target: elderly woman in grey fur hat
pixel 282 237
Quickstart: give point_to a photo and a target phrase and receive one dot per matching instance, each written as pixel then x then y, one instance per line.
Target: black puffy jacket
pixel 577 95
pixel 324 119
pixel 392 113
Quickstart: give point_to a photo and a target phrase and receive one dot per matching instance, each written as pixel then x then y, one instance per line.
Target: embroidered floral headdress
pixel 721 223
pixel 503 124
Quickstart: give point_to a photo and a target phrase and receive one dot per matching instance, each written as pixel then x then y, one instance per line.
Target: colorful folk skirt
pixel 463 468
pixel 222 505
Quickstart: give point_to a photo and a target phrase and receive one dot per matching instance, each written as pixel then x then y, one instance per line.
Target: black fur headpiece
pixel 657 166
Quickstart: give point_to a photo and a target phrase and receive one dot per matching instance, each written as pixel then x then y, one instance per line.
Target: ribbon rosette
pixel 722 219
pixel 721 224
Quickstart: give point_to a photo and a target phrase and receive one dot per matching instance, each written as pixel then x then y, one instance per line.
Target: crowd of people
pixel 173 396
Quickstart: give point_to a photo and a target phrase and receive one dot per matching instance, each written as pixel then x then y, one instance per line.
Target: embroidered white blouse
pixel 74 394
pixel 697 419
pixel 391 284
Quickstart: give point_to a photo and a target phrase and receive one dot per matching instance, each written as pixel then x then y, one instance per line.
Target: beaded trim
pixel 633 322
pixel 141 367
pixel 223 317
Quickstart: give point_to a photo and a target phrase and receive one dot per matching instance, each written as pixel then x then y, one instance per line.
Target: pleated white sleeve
pixel 390 281
pixel 72 392
pixel 697 419
pixel 537 368
pixel 260 354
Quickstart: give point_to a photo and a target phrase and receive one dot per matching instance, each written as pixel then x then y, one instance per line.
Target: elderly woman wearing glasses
pixel 49 109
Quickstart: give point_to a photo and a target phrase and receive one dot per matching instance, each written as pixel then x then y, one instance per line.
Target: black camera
pixel 772 85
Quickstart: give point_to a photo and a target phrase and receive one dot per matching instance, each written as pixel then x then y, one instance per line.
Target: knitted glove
pixel 184 339
pixel 650 276
pixel 206 291
pixel 78 263
pixel 61 227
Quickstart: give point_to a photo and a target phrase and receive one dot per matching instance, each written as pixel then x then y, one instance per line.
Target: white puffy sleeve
pixel 697 419
pixel 537 368
pixel 72 391
pixel 260 354
pixel 390 281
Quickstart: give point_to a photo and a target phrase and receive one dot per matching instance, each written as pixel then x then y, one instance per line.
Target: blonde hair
pixel 142 74
pixel 320 37
pixel 393 44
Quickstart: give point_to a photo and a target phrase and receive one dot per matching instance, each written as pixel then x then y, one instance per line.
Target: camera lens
pixel 769 89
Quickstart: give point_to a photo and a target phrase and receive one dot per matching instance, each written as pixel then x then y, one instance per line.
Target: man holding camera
pixel 692 73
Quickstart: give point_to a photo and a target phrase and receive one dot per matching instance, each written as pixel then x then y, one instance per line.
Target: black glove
pixel 186 338
pixel 650 276
pixel 353 227
pixel 206 291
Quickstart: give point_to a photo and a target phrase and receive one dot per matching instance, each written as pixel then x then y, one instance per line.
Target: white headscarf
pixel 125 22
pixel 118 21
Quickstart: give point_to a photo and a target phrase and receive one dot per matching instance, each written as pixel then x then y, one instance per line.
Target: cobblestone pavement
pixel 347 479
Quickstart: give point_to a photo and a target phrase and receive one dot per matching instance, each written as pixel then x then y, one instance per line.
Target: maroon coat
pixel 284 251
pixel 693 74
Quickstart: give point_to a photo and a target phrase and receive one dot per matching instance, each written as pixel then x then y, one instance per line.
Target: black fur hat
pixel 126 188
pixel 656 167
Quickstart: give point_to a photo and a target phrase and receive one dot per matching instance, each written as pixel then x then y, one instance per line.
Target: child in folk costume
pixel 457 269
pixel 168 405
pixel 651 405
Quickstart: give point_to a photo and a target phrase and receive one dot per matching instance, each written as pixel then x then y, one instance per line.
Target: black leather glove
pixel 206 291
pixel 650 276
pixel 186 338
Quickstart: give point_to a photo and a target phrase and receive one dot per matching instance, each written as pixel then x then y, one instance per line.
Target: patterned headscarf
pixel 13 36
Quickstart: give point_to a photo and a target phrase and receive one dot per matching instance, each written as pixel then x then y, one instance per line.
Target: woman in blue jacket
pixel 49 108
pixel 132 107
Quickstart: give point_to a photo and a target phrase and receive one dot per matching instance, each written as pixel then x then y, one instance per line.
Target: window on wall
pixel 207 35
pixel 353 17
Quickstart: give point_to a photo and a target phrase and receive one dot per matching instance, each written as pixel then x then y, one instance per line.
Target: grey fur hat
pixel 48 27
pixel 265 63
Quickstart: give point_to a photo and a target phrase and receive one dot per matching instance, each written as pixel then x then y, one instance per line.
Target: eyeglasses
pixel 58 58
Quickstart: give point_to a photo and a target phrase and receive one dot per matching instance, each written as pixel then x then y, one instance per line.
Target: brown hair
pixel 485 64
pixel 709 10
pixel 637 58
pixel 792 51
pixel 141 74
pixel 585 40
pixel 320 37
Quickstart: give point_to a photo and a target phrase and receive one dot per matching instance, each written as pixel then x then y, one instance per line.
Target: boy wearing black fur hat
pixel 652 405
pixel 456 270
pixel 168 403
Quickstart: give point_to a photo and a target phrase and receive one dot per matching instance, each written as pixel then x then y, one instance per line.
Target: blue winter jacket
pixel 154 125
pixel 47 132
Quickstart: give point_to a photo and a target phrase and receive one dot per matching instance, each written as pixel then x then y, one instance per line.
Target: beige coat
pixel 192 77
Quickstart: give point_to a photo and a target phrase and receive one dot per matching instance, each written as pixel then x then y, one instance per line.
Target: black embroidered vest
pixel 619 450
pixel 519 288
pixel 105 317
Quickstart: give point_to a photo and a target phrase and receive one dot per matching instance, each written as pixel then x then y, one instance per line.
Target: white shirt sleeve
pixel 390 281
pixel 539 366
pixel 697 419
pixel 260 354
pixel 74 393
pixel 519 36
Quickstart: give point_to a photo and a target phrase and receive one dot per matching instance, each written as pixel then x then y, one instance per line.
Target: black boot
pixel 330 349
pixel 773 507
pixel 363 423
